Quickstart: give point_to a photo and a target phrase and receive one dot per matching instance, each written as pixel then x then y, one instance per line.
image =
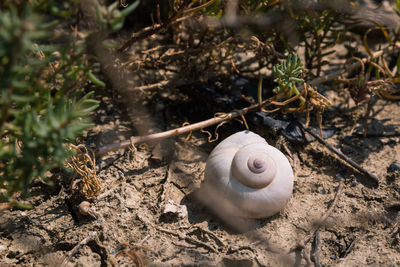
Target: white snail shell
pixel 252 178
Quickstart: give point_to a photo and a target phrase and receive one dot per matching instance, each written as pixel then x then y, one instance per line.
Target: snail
pixel 247 177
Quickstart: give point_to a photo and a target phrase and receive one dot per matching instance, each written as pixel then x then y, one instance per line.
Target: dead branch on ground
pixel 341 155
pixel 200 125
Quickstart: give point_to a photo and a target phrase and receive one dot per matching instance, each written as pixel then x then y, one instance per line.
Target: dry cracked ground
pixel 148 212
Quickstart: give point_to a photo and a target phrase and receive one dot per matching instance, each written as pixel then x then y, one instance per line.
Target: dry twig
pixel 189 239
pixel 200 125
pixel 371 176
pixel 90 237
pixel 155 30
pixel 323 218
pixel 138 259
pixel 352 244
pixel 182 130
pixel 317 250
pixel 353 66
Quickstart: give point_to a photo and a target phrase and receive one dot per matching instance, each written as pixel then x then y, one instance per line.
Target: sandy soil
pixel 132 226
pixel 149 211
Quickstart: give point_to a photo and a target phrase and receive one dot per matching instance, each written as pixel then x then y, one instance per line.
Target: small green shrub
pixel 43 106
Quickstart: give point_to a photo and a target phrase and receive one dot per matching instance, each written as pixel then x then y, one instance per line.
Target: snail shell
pixel 248 177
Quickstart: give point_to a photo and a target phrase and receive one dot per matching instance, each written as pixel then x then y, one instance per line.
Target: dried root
pixel 84 165
pixel 138 259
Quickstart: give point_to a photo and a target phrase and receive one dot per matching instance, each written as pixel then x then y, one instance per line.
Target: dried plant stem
pixel 188 239
pixel 154 85
pixel 353 66
pixel 341 155
pixel 185 129
pixel 90 237
pixel 317 251
pixel 148 31
pixel 352 244
pixel 325 217
pixel 177 80
pixel 84 164
pixel 155 30
pixel 200 125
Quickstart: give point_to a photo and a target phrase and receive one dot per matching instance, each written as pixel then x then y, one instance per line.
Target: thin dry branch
pixel 317 251
pixel 187 238
pixel 178 80
pixel 155 30
pixel 182 130
pixel 321 222
pixel 200 125
pixel 341 155
pixel 90 237
pixel 353 66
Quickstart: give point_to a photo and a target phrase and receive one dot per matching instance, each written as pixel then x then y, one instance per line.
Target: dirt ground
pixel 149 213
pixel 133 226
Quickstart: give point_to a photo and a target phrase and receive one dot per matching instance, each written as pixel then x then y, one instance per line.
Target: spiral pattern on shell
pixel 252 178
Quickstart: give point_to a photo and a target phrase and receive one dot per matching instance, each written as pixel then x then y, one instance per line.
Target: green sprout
pixel 287 75
pixel 111 18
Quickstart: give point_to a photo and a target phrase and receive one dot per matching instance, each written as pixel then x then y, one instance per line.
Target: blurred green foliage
pixel 43 104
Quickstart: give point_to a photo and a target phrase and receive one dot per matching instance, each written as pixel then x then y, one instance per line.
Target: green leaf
pixel 118 26
pixel 112 7
pixel 95 80
pixel 297 80
pixel 99 13
pixel 22 98
pixel 126 11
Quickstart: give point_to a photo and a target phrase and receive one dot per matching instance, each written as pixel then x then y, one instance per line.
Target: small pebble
pixel 2 247
pixel 175 211
pixel 395 166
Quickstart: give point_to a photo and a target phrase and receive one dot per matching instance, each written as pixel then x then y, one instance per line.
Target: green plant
pixel 287 75
pixel 43 104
